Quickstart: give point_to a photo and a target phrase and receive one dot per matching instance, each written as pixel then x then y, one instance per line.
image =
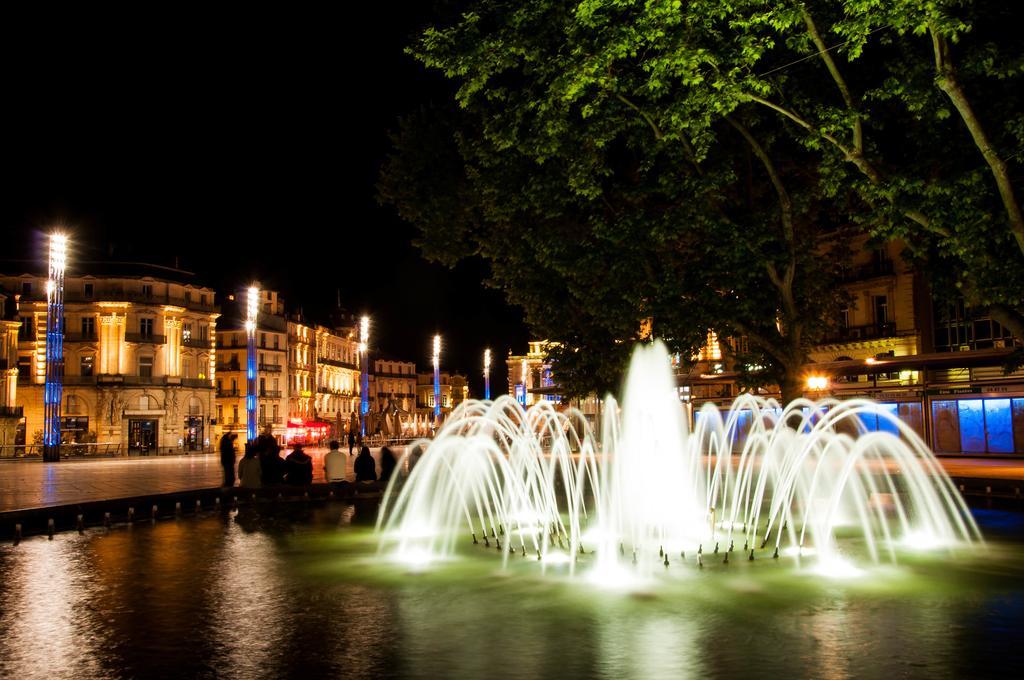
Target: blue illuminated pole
pixel 487 374
pixel 252 312
pixel 53 389
pixel 364 351
pixel 437 379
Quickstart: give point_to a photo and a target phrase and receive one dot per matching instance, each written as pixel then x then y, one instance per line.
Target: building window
pixel 234 413
pixel 146 366
pixel 220 413
pixel 186 368
pixel 147 290
pixel 87 365
pixel 881 304
pixel 88 327
pixel 26 288
pixel 188 296
pixel 88 290
pixel 202 298
pixel 276 414
pixel 186 331
pixel 146 328
pixel 978 425
pixel 25 329
pixel 24 368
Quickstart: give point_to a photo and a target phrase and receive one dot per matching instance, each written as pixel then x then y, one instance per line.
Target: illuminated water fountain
pixel 810 483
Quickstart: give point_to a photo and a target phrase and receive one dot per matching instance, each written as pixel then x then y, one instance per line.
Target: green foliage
pixel 703 163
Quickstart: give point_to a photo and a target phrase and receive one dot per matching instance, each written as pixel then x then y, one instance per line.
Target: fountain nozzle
pixel 751 558
pixel 716 547
pixel 666 560
pixel 775 555
pixel 475 542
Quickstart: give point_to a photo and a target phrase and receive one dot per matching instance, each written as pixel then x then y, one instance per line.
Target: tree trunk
pixel 792 385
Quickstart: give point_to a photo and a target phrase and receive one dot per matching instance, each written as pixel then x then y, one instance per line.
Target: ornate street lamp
pixel 364 358
pixel 53 389
pixel 487 374
pixel 252 313
pixel 437 379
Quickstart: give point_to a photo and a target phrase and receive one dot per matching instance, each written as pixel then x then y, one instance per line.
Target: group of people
pixel 262 464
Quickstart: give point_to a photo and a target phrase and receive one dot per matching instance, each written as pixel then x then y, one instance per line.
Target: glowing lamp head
pixel 253 303
pixel 58 251
pixel 437 349
pixel 364 331
pixel 487 361
pixel 50 287
pixel 817 382
pixel 524 370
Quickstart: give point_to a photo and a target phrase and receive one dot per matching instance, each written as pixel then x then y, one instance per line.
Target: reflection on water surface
pixel 300 594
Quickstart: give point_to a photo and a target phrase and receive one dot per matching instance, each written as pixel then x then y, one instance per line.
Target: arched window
pixel 73 405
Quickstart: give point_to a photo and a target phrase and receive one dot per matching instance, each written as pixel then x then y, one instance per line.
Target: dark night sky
pixel 245 144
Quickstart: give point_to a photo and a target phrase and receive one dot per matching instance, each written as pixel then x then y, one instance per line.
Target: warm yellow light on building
pixel 817 382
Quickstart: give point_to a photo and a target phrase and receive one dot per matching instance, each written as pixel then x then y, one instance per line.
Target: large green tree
pixel 597 207
pixel 693 162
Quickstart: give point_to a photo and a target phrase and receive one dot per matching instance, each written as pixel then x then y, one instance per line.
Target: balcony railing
pixel 270 394
pixel 270 421
pixel 869 271
pixel 196 382
pixel 145 338
pixel 201 343
pixel 229 393
pixel 229 367
pixel 869 332
pixel 11 411
pixel 80 337
pixel 79 379
pixel 270 368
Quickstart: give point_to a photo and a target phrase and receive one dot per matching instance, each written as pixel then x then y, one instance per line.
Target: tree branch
pixel 851 155
pixel 947 82
pixel 826 56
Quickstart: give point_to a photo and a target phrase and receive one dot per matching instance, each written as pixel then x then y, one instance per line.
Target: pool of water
pixel 300 592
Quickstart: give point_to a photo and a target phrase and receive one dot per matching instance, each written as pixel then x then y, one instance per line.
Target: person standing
pixel 353 427
pixel 227 457
pixel 334 464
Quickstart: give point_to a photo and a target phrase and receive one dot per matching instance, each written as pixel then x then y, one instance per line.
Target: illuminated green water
pixel 300 593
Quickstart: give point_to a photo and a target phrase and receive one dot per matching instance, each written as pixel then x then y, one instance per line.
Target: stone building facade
pixel 139 358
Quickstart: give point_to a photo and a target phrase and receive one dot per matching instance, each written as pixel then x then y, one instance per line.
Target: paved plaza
pixel 34 484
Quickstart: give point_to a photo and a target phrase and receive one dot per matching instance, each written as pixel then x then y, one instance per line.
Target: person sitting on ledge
pixel 366 469
pixel 270 458
pixel 334 464
pixel 387 464
pixel 249 471
pixel 298 467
